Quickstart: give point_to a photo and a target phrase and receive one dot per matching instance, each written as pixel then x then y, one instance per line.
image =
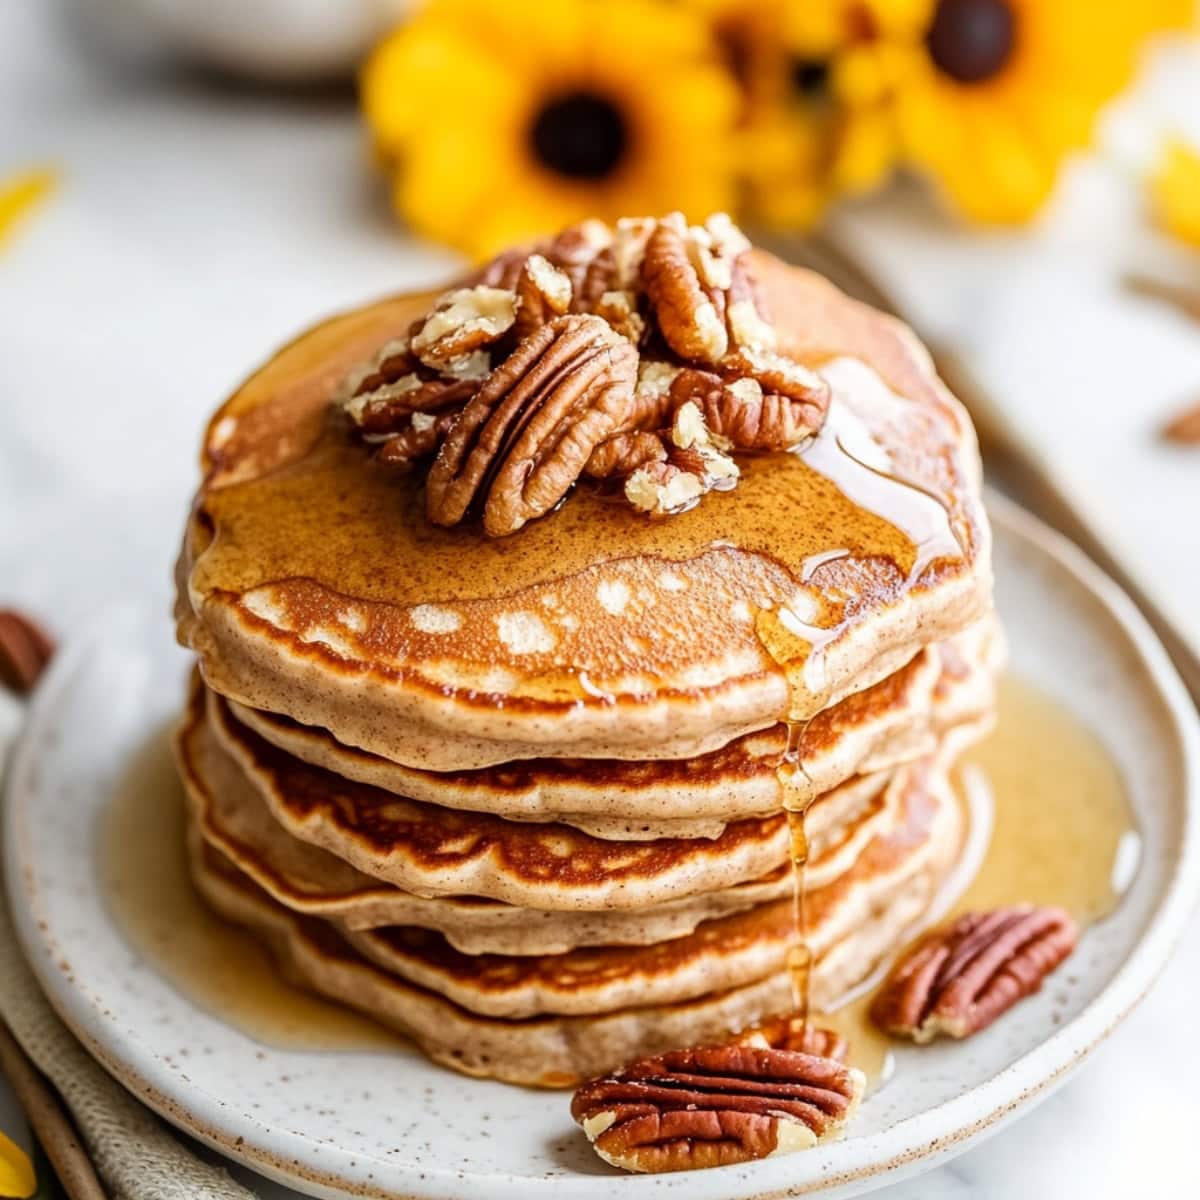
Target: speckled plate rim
pixel 850 1167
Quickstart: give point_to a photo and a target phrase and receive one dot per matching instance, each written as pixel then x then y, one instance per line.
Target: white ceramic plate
pixel 364 1123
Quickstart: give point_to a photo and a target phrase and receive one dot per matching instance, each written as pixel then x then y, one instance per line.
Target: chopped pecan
pixel 1184 427
pixel 543 293
pixel 420 439
pixel 381 397
pixel 958 980
pixel 619 309
pixel 653 403
pixel 695 464
pixel 463 323
pixel 739 410
pixel 523 440
pixel 25 650
pixel 715 1105
pixel 698 281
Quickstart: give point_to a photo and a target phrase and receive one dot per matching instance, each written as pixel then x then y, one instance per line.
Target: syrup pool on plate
pixel 216 965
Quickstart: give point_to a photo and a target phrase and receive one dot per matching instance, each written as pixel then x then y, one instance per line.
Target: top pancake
pixel 312 585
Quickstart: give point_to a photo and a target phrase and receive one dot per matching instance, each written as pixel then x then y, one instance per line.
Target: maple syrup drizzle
pixel 796 636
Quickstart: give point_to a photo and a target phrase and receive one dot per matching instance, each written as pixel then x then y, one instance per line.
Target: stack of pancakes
pixel 522 798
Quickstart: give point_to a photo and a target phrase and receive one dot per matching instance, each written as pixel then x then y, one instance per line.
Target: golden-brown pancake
pixel 312 585
pixel 719 954
pixel 431 851
pixel 560 1049
pixel 895 721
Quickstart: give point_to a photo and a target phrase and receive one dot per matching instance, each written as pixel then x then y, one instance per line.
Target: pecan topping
pixel 543 293
pixel 682 371
pixel 624 453
pixel 694 463
pixel 958 980
pixel 463 323
pixel 715 1105
pixel 1184 427
pixel 747 417
pixel 418 439
pixel 698 282
pixel 526 435
pixel 25 650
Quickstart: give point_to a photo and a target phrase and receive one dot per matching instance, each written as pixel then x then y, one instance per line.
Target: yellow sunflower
pixel 17 1176
pixel 995 93
pixel 21 193
pixel 801 143
pixel 1175 191
pixel 502 121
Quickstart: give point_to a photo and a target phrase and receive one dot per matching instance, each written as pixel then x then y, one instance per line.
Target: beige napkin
pixel 135 1154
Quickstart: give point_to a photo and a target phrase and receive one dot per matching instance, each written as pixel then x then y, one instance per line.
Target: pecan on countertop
pixel 1184 427
pixel 25 651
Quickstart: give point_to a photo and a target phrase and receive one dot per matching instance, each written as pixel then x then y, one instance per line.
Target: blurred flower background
pixel 496 122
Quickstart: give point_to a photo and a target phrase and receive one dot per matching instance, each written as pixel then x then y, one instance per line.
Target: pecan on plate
pixel 25 651
pixel 715 1105
pixel 959 979
pixel 523 440
pixel 695 463
pixel 462 326
pixel 700 288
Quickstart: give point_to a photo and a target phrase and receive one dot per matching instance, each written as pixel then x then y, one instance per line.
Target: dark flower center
pixel 971 40
pixel 810 76
pixel 580 135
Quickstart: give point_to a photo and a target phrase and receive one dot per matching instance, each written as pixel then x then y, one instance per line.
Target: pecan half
pixel 25 651
pixel 958 980
pixel 698 281
pixel 624 453
pixel 583 253
pixel 525 437
pixel 747 417
pixel 715 1105
pixel 1184 427
pixel 543 293
pixel 463 323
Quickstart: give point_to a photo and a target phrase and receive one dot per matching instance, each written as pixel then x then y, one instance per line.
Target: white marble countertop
pixel 195 228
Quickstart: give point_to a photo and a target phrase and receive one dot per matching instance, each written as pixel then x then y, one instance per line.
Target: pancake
pixel 429 851
pixel 312 585
pixel 897 720
pixel 718 955
pixel 558 1050
pixel 233 818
